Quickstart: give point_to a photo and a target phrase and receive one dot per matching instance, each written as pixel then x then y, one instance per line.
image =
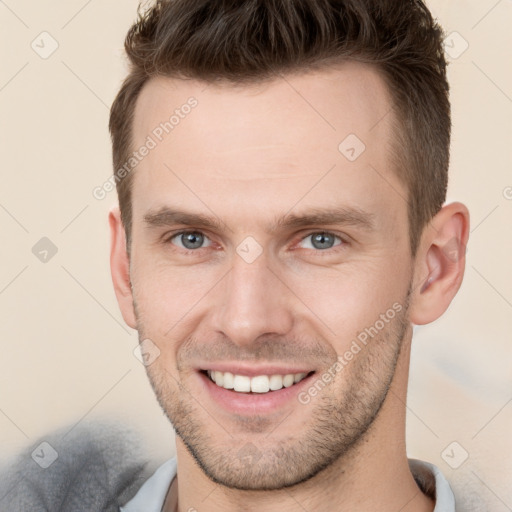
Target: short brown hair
pixel 249 41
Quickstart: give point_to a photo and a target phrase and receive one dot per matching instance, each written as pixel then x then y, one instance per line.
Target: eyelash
pixel 168 239
pixel 340 246
pixel 337 246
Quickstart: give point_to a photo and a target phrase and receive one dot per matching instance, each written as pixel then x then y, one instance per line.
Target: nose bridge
pixel 252 302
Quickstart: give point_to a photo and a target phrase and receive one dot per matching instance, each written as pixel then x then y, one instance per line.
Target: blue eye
pixel 190 240
pixel 320 241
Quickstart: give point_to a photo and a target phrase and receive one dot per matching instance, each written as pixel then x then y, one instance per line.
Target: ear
pixel 439 263
pixel 120 267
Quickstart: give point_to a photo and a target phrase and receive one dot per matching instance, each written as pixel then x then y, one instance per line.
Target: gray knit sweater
pixel 84 469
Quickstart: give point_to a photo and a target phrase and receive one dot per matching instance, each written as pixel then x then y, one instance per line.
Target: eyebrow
pixel 315 217
pixel 169 217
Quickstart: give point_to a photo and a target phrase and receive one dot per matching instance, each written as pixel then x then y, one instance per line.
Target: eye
pixel 320 241
pixel 190 240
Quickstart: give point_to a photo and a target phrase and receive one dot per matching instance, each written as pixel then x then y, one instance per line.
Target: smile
pixel 256 384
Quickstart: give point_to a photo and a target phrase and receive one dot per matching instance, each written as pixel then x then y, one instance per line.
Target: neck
pixel 373 475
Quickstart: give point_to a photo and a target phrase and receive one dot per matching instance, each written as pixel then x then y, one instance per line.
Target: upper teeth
pixel 258 384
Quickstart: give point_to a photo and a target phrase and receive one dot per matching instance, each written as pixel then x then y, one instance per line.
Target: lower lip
pixel 253 403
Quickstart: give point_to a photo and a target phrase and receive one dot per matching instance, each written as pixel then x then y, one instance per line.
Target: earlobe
pixel 440 263
pixel 120 267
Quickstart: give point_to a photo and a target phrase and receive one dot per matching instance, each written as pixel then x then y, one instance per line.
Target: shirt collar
pixel 151 496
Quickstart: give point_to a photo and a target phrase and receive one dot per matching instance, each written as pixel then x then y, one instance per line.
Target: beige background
pixel 66 355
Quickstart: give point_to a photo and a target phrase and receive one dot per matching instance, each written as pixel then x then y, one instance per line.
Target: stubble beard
pixel 339 419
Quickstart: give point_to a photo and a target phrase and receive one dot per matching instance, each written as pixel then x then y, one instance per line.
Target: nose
pixel 252 302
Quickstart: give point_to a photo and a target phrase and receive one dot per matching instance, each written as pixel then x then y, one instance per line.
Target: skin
pixel 247 157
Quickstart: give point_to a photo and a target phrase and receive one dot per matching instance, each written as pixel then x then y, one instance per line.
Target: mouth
pixel 244 389
pixel 257 384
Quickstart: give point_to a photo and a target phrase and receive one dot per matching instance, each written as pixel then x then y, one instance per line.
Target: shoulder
pixel 83 469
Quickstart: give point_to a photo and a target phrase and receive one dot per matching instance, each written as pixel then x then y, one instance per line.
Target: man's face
pixel 262 248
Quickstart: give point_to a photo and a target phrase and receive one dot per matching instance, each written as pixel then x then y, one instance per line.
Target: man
pixel 281 170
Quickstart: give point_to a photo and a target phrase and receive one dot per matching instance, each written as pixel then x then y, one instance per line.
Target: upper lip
pixel 251 370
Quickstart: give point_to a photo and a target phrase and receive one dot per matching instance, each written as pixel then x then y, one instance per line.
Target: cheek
pixel 173 301
pixel 166 296
pixel 346 301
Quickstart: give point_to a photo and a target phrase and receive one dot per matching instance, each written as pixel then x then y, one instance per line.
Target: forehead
pixel 274 139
